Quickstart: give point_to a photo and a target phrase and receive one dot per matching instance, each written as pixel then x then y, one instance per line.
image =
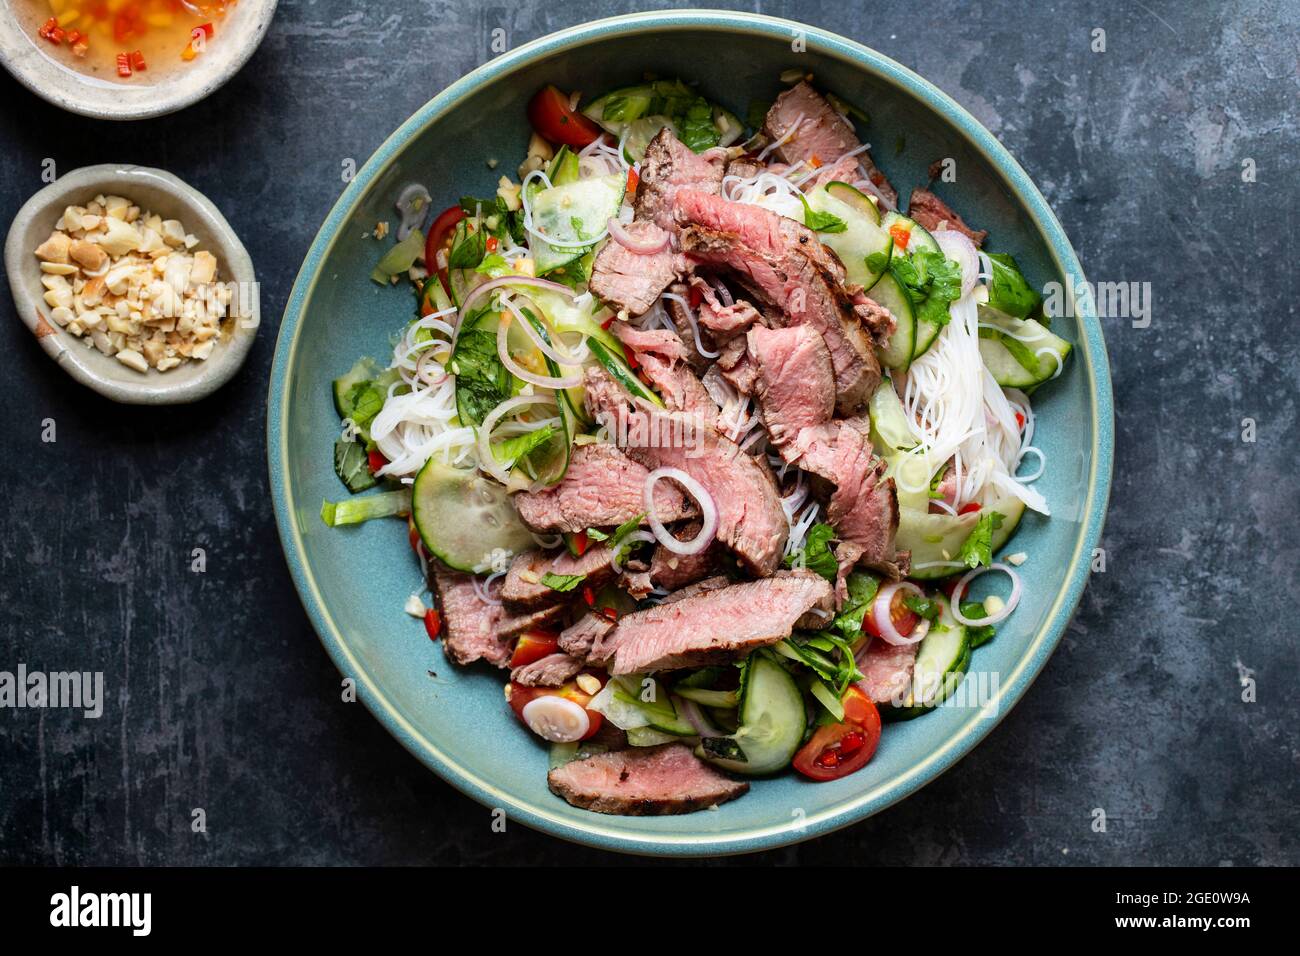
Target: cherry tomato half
pixel 533 646
pixel 518 696
pixel 837 750
pixel 551 116
pixel 440 239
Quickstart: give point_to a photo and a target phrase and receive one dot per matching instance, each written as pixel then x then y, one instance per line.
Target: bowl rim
pixel 152 388
pixel 37 79
pixel 602 831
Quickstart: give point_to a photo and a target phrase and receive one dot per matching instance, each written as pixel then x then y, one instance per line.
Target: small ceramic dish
pixel 162 193
pixel 156 93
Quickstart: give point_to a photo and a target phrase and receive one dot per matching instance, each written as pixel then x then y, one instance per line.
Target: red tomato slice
pixel 440 238
pixel 550 115
pixel 518 696
pixel 837 750
pixel 533 646
pixel 905 620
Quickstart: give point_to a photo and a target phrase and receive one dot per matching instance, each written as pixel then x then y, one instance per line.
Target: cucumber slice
pixel 772 723
pixel 564 167
pixel 642 111
pixel 887 292
pixel 621 373
pixel 649 737
pixel 889 429
pixel 571 216
pixel 911 480
pixel 660 713
pixel 862 235
pixel 364 370
pixel 549 463
pixel 463 517
pixel 941 662
pixel 939 537
pixel 851 196
pixel 918 236
pixel 1012 360
pixel 709 698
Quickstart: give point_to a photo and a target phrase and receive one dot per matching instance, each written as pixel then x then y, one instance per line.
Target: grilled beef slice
pixel 523 589
pixel 630 281
pixel 644 781
pixel 469 624
pixel 669 165
pixel 935 214
pixel 549 671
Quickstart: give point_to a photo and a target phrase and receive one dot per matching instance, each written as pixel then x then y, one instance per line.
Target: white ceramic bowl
pixel 20 52
pixel 162 193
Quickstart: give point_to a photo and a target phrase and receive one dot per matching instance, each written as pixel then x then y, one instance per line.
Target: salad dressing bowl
pixel 453 719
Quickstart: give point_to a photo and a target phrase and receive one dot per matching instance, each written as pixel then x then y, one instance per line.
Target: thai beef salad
pixel 702 439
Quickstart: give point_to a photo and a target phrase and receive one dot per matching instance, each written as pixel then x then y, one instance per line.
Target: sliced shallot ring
pixel 960 590
pixel 483 439
pixel 480 291
pixel 634 538
pixel 546 348
pixel 641 247
pixel 521 373
pixel 884 622
pixel 708 512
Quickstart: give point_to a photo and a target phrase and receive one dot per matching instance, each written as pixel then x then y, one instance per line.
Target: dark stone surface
pixel 220 696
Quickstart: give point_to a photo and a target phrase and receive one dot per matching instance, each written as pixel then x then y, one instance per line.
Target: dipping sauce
pixel 124 41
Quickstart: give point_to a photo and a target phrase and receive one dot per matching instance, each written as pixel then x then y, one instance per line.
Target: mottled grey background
pixel 221 697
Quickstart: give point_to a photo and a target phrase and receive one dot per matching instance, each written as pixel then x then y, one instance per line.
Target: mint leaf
pixel 562 582
pixel 821 221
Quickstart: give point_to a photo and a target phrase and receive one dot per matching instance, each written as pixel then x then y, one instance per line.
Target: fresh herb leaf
pixel 816 555
pixel 562 582
pixel 696 126
pixel 982 634
pixel 977 549
pixel 512 449
pixel 862 588
pixel 352 465
pixel 931 281
pixel 621 532
pixel 595 534
pixel 756 115
pixel 468 245
pixel 494 266
pixel 921 606
pixel 1008 290
pixel 367 400
pixel 482 382
pixel 821 221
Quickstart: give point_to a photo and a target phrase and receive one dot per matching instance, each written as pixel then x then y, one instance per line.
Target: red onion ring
pixel 708 512
pixel 880 608
pixel 695 717
pixel 483 439
pixel 422 366
pixel 642 247
pixel 634 537
pixel 1001 615
pixel 546 348
pixel 521 373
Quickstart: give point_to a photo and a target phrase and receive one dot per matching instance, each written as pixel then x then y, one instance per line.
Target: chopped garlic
pixel 588 683
pixel 993 604
pixel 1017 559
pixel 415 607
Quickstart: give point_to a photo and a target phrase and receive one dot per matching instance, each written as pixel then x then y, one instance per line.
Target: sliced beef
pixel 549 671
pixel 677 306
pixel 887 670
pixel 602 488
pixel 723 319
pixel 744 167
pixel 523 589
pixel 644 782
pixel 510 625
pixel 864 507
pixel 469 624
pixel 715 583
pixel 578 638
pixel 843 170
pixel 750 519
pixel 875 318
pixel 736 368
pixel 788 268
pixel 669 165
pixel 934 214
pixel 667 345
pixel 716 626
pixel 677 385
pixel 822 135
pixel 671 571
pixel 795 385
pixel 629 281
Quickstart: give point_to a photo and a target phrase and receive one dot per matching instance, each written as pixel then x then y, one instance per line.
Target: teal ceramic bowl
pixel 354 581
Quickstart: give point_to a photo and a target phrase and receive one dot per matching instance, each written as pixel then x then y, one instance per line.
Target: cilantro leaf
pixel 862 588
pixel 977 549
pixel 821 221
pixel 921 606
pixel 977 635
pixel 494 266
pixel 562 582
pixel 931 281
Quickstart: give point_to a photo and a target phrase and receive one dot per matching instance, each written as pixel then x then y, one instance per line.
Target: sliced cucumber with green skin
pixel 918 236
pixel 709 698
pixel 862 235
pixel 660 712
pixel 1013 361
pixel 889 428
pixel 619 371
pixel 564 167
pixel 642 111
pixel 887 292
pixel 941 662
pixel 772 723
pixel 852 196
pixel 649 737
pixel 939 537
pixel 364 370
pixel 463 517
pixel 572 216
pixel 549 463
